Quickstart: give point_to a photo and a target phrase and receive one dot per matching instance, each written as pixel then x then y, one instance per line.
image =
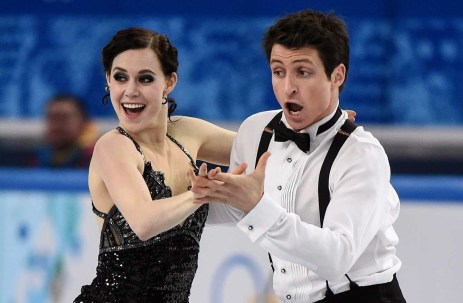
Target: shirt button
pixel 250 227
pixel 283 270
pixel 279 187
pixel 289 160
pixel 288 297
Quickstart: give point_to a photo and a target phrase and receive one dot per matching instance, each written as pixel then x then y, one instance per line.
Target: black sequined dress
pixel 160 269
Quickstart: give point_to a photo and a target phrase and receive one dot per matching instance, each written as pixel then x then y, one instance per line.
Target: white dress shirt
pixel 357 237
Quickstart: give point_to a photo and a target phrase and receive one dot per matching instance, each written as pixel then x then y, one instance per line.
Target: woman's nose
pixel 131 90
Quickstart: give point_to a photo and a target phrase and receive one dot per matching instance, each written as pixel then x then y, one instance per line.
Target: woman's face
pixel 137 85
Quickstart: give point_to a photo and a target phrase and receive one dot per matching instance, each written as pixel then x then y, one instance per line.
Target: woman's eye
pixel 146 79
pixel 120 77
pixel 278 73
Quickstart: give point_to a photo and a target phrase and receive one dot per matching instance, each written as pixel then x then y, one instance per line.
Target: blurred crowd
pixel 69 135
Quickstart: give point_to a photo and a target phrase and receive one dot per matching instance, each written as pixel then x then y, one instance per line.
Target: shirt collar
pixel 312 129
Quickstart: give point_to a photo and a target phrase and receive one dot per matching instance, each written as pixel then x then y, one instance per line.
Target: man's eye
pixel 304 72
pixel 278 73
pixel 146 79
pixel 120 77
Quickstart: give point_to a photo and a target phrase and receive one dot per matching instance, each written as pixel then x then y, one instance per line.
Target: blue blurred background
pixel 405 55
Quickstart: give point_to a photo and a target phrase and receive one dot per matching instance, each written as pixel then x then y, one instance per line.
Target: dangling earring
pixel 106 97
pixel 164 97
pixel 172 106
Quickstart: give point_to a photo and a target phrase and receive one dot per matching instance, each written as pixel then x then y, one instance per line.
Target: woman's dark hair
pixel 326 33
pixel 140 38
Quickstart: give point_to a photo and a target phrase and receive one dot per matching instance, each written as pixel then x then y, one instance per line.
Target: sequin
pixel 160 269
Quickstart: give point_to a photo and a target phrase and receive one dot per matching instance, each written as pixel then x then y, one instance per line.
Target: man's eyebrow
pixel 293 62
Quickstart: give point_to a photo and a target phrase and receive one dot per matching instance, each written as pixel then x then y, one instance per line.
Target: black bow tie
pixel 302 140
pixel 283 134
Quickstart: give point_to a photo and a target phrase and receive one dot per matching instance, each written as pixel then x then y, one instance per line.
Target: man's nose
pixel 290 85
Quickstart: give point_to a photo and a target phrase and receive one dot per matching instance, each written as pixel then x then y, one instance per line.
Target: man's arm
pixel 358 209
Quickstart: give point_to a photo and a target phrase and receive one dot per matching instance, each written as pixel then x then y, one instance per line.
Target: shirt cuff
pixel 261 218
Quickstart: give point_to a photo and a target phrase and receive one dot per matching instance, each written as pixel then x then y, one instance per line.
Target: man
pixel 326 207
pixel 69 134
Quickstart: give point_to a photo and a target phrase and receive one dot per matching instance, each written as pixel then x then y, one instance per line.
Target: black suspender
pixel 267 135
pixel 323 188
pixel 324 196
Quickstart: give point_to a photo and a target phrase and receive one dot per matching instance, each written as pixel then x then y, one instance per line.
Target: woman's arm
pixel 119 166
pixel 214 143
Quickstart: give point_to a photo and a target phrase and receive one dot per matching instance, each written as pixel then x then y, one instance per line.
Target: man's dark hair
pixel 78 102
pixel 326 33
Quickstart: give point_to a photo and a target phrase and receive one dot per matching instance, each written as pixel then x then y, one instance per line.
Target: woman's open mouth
pixel 132 109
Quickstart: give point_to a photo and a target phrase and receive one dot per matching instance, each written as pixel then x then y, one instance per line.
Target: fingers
pixel 198 180
pixel 351 115
pixel 262 162
pixel 224 177
pixel 206 195
pixel 203 170
pixel 240 169
pixel 237 171
pixel 214 172
pixel 204 173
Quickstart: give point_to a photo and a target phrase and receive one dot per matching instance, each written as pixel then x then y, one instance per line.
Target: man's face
pixel 64 124
pixel 302 88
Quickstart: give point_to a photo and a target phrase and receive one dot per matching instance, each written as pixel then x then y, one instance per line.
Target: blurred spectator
pixel 69 134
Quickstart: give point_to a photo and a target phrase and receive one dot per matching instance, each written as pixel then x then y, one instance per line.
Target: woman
pixel 138 181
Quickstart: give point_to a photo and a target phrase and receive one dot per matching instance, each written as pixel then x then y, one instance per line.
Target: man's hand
pixel 235 189
pixel 351 115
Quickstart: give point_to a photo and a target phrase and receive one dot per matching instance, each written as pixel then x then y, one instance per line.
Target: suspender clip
pixel 344 133
pixel 268 130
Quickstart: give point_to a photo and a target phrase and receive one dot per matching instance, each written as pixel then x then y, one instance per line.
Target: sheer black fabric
pixel 160 269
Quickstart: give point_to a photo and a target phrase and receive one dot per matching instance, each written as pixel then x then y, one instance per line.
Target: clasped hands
pixel 236 189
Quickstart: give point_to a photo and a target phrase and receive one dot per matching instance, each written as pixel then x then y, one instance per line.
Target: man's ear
pixel 338 75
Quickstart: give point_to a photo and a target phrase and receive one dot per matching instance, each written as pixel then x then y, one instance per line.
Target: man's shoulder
pixel 360 135
pixel 363 143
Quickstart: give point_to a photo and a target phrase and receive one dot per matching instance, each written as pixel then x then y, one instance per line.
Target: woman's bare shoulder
pixel 185 125
pixel 114 143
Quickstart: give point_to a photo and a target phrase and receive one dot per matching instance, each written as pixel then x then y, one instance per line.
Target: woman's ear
pixel 107 79
pixel 171 82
